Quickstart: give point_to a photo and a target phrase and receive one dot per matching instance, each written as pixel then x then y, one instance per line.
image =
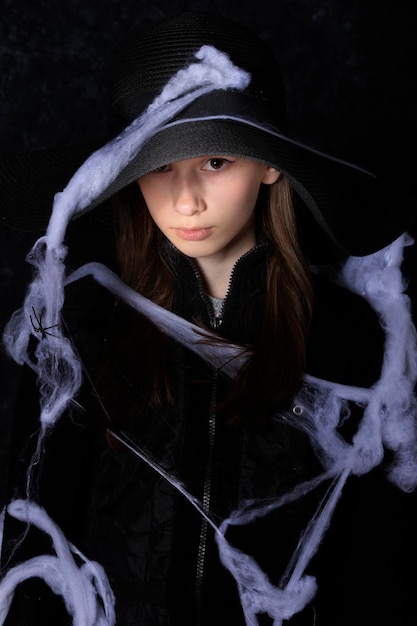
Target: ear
pixel 271 175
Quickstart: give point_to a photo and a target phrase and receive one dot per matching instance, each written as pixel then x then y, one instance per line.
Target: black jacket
pixel 159 553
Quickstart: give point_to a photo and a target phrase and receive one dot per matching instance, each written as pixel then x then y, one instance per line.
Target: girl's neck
pixel 216 276
pixel 216 270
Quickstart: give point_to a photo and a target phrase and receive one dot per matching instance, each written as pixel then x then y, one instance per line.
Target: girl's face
pixel 206 205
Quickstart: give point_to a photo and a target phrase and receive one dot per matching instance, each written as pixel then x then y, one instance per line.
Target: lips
pixel 193 234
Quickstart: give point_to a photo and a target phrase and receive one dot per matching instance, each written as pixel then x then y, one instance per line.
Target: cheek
pixel 247 196
pixel 146 190
pixel 157 216
pixel 240 209
pixel 241 192
pixel 152 200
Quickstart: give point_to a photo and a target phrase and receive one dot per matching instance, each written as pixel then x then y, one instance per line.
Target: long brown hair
pixel 273 372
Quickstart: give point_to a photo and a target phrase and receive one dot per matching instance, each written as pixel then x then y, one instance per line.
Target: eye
pixel 161 168
pixel 216 163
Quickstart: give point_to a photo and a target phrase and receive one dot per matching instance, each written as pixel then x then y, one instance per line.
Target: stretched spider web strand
pixel 145 456
pixel 225 357
pixel 311 540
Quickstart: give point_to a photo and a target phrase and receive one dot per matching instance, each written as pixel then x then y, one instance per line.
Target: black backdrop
pixel 348 67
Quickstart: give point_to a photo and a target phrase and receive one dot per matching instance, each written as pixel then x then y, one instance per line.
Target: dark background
pixel 348 68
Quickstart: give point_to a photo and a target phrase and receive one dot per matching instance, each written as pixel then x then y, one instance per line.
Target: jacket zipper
pixel 202 544
pixel 214 324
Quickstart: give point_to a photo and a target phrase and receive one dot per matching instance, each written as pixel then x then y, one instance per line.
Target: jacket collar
pixel 244 301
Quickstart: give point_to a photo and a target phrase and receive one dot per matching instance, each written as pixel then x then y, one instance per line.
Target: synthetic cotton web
pixel 84 589
pixel 389 418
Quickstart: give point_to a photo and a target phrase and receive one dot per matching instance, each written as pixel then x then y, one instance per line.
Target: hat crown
pixel 154 56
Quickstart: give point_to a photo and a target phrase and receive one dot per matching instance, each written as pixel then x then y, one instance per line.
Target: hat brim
pixel 349 206
pixel 354 211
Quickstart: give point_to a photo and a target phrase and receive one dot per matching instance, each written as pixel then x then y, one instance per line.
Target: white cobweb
pixel 389 417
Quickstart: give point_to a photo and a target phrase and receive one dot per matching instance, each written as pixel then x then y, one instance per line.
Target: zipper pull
pixel 215 322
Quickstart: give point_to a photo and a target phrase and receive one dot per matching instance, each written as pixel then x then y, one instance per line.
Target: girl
pixel 194 416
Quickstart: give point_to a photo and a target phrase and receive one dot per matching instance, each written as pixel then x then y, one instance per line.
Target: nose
pixel 187 197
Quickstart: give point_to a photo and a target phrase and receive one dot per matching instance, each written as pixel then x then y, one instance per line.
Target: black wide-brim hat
pixel 341 209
